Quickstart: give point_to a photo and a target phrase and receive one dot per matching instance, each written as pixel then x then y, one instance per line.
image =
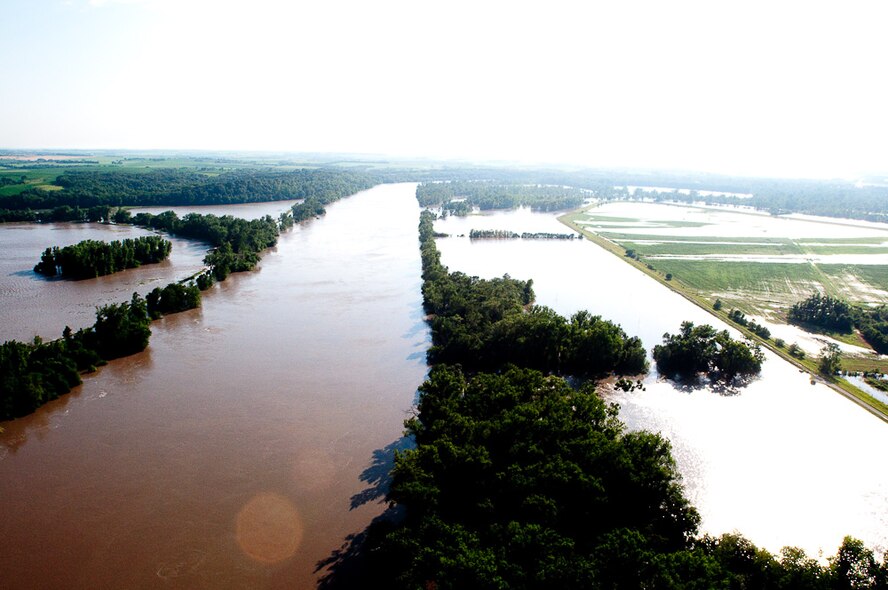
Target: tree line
pixel 782 196
pixel 494 195
pixel 832 314
pixel 38 372
pixel 494 188
pixel 34 373
pixel 93 258
pixel 484 324
pixel 85 189
pixel 478 234
pixel 738 317
pixel 236 242
pixel 60 213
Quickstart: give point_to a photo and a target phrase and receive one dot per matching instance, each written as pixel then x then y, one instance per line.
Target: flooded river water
pixel 228 453
pixel 238 449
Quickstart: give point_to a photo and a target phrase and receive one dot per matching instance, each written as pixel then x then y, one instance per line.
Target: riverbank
pixel 841 386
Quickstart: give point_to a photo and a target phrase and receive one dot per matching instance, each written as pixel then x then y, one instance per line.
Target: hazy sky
pixel 776 87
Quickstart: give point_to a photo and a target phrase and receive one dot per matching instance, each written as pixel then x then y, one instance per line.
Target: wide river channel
pixel 239 449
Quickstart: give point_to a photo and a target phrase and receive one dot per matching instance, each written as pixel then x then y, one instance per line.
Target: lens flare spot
pixel 269 528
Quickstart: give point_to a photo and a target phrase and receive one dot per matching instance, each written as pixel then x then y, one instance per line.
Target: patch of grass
pixel 13 189
pixel 717 276
pixel 618 236
pixel 844 249
pixel 862 364
pixel 610 219
pixel 37 178
pixel 692 248
pixel 34 174
pixel 840 241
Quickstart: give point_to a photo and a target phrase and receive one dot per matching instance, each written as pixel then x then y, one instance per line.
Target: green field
pixel 700 249
pixel 608 222
pixel 42 175
pixel 34 178
pixel 762 280
pixel 758 287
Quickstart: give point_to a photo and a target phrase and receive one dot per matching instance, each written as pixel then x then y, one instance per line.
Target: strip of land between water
pixel 861 398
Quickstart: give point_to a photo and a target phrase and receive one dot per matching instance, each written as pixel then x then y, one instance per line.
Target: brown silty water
pixel 234 451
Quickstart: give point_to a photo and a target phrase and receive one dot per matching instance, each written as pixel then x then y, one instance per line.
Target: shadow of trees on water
pixel 711 383
pixel 378 474
pixel 346 565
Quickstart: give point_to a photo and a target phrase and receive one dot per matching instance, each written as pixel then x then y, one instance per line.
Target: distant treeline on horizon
pixel 82 185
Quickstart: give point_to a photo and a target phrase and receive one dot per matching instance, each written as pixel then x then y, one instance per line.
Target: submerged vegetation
pixel 703 349
pixel 237 242
pixel 500 234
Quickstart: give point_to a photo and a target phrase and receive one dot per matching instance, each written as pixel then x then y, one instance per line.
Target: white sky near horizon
pixel 781 88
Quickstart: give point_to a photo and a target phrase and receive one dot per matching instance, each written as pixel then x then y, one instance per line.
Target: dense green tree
pixel 855 567
pixel 93 258
pixel 484 324
pixel 822 311
pixel 520 481
pixel 307 209
pixel 830 359
pixel 703 349
pixel 173 298
pixel 122 329
pixel 459 197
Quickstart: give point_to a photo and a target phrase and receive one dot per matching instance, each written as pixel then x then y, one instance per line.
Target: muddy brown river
pixel 228 453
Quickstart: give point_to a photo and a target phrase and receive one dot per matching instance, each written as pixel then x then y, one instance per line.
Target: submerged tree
pixel 703 349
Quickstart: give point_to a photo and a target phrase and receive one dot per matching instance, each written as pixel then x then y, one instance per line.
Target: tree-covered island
pixel 93 258
pixel 696 350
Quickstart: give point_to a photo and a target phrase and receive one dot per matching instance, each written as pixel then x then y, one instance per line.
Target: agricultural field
pixel 25 179
pixel 755 262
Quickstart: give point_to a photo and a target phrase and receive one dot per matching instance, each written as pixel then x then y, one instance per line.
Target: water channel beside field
pixel 229 453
